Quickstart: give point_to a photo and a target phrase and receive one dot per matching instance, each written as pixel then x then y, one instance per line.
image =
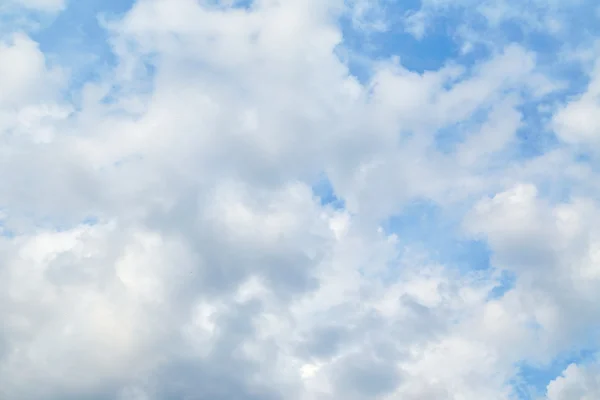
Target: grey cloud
pixel 363 376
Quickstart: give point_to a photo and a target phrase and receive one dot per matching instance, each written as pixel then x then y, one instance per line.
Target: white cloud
pixel 553 250
pixel 576 382
pixel 577 122
pixel 212 270
pixel 25 75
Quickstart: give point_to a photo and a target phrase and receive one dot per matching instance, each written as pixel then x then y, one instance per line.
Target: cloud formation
pixel 211 212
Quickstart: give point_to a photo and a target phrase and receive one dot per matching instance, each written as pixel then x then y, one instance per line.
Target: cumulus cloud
pixel 575 383
pixel 576 122
pixel 161 235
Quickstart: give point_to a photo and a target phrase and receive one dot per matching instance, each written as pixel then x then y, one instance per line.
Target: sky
pixel 299 199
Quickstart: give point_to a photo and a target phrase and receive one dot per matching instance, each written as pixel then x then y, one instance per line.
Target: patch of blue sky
pixel 584 156
pixel 531 380
pixel 506 282
pixel 545 44
pixel 449 137
pixel 430 52
pixel 556 191
pixel 579 24
pixel 5 231
pixel 555 51
pixel 443 43
pixel 77 39
pixel 19 19
pixel 325 192
pixel 425 225
pixel 439 47
pixel 245 4
pixel 534 138
pixel 90 221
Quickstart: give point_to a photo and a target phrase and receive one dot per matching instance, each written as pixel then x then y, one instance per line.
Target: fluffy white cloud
pixel 160 237
pixel 553 249
pixel 25 76
pixel 577 122
pixel 576 383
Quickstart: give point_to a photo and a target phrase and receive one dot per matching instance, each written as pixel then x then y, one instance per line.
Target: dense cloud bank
pixel 215 207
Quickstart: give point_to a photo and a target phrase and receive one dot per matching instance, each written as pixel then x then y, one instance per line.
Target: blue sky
pixel 285 154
